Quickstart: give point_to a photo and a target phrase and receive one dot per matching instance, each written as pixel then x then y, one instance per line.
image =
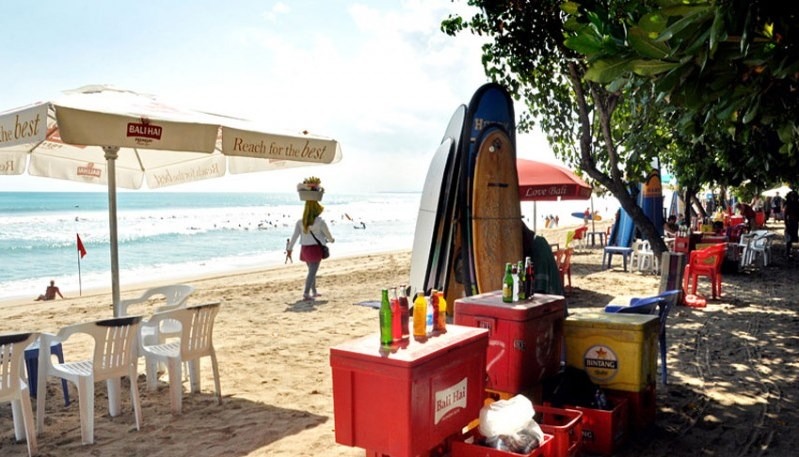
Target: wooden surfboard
pixel 432 241
pixel 496 211
pixel 490 108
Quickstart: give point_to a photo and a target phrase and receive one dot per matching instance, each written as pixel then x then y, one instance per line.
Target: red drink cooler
pixel 405 402
pixel 525 337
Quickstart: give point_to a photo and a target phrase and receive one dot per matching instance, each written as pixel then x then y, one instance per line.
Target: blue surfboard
pixel 626 232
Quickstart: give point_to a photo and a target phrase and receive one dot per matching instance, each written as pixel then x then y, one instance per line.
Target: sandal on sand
pixel 307 298
pixel 316 295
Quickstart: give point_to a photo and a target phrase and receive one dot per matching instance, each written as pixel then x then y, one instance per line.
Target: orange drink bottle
pixel 441 324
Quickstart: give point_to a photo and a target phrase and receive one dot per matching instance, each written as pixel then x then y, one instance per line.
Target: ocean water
pixel 165 235
pixel 169 235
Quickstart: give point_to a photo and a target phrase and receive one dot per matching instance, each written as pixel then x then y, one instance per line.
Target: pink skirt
pixel 311 253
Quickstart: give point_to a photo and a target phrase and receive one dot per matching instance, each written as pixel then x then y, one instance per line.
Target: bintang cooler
pixel 618 351
pixel 525 337
pixel 406 401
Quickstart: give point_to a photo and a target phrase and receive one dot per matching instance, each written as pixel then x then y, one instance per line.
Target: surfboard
pixel 495 210
pixel 490 107
pixel 432 241
pixel 580 215
pixel 626 232
pixel 614 231
pixel 651 199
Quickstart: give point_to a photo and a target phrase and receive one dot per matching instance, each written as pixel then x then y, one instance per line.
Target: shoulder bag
pixel 325 249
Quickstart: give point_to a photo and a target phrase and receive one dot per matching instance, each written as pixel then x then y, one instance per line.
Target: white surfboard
pixel 431 243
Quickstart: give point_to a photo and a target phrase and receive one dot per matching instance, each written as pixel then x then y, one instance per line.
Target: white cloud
pixel 378 76
pixel 277 9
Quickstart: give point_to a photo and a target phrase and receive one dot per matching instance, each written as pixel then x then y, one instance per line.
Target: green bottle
pixel 507 284
pixel 385 320
pixel 522 284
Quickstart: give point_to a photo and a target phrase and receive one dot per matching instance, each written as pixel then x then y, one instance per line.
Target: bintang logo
pixel 601 362
pixel 89 170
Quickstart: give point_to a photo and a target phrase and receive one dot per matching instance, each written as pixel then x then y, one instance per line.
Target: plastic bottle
pixel 434 304
pixel 419 316
pixel 385 319
pixel 507 285
pixel 430 318
pixel 396 316
pixel 441 323
pixel 404 313
pixel 515 278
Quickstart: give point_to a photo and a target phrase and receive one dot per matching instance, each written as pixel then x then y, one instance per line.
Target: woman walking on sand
pixel 313 233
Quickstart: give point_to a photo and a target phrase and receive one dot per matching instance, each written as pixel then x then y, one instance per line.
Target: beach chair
pixel 114 356
pixel 760 248
pixel 743 250
pixel 580 236
pixel 563 260
pixel 14 386
pixel 174 296
pixel 169 298
pixel 705 262
pixel 196 341
pixel 660 304
pixel 645 260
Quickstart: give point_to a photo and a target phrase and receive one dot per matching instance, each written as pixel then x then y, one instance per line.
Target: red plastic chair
pixel 563 259
pixel 705 262
pixel 580 235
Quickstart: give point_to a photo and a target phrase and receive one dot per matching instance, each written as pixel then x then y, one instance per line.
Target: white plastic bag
pixel 508 425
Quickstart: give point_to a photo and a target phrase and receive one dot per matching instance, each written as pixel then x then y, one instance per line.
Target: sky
pixel 378 76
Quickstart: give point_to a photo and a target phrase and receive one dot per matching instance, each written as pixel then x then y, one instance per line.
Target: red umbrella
pixel 540 181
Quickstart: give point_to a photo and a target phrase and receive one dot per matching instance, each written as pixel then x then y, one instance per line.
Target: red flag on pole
pixel 81 248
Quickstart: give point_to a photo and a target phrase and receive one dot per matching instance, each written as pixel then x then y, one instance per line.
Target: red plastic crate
pixel 682 244
pixel 605 431
pixel 565 426
pixel 467 446
pixel 407 401
pixel 642 406
pixel 525 337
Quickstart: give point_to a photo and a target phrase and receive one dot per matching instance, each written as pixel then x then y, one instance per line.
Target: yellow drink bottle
pixel 420 316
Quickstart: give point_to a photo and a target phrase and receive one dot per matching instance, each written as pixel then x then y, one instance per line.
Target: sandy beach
pixel 732 365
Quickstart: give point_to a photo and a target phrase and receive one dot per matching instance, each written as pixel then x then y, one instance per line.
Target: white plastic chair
pixel 196 341
pixel 114 356
pixel 635 255
pixel 174 296
pixel 744 248
pixel 646 260
pixel 760 247
pixel 14 385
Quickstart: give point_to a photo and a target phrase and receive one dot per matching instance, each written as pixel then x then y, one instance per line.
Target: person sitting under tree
pixel 50 293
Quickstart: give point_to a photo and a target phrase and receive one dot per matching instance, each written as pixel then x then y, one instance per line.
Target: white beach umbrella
pixel 119 138
pixel 782 190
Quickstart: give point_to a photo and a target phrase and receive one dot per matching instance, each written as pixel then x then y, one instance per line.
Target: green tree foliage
pixel 711 87
pixel 589 125
pixel 724 72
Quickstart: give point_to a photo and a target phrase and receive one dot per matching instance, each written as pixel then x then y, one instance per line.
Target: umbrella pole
pixel 111 153
pixel 593 219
